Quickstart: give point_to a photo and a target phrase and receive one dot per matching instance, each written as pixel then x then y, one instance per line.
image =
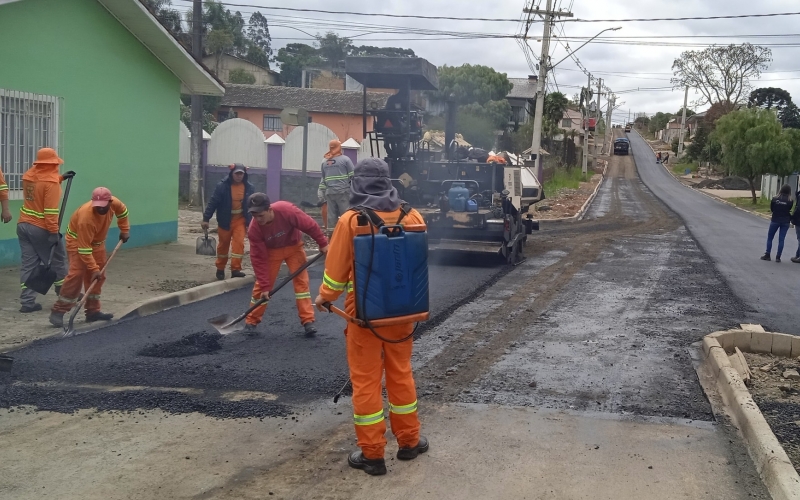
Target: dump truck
pixel 468 204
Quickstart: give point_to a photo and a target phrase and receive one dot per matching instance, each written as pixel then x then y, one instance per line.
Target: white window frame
pixel 28 121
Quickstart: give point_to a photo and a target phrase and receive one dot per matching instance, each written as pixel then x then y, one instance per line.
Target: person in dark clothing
pixel 796 222
pixel 781 207
pixel 228 202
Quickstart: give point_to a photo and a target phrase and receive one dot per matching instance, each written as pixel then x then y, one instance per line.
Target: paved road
pixel 734 240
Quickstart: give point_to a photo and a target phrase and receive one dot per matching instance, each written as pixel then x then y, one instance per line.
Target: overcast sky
pixel 651 64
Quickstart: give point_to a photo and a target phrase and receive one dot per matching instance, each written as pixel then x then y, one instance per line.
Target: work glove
pixel 6 216
pixel 69 174
pixel 98 275
pixel 324 249
pixel 265 296
pixel 54 238
pixel 204 225
pixel 124 237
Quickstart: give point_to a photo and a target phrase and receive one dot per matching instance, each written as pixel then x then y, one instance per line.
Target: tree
pixel 333 49
pixel 293 58
pixel 778 99
pixel 753 144
pixel 170 18
pixel 689 112
pixel 721 73
pixel 659 121
pixel 555 104
pixel 699 141
pixel 642 121
pixel 259 41
pixel 219 42
pixel 239 75
pixel 368 50
pixel 471 84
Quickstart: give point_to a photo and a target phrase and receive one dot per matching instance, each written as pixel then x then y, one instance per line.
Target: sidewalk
pixel 133 276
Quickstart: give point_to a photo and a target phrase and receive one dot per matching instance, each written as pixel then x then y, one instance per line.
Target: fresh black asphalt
pixel 115 368
pixel 734 240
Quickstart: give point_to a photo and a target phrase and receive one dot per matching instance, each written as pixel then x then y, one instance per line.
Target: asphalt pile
pixel 194 344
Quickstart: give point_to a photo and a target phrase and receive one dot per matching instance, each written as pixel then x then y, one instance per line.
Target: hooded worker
pixel 276 236
pixel 228 202
pixel 334 188
pixel 37 227
pixel 370 357
pixel 86 247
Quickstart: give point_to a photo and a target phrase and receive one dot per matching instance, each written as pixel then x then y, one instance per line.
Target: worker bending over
pixel 276 236
pixel 37 227
pixel 334 188
pixel 86 247
pixel 228 201
pixel 368 356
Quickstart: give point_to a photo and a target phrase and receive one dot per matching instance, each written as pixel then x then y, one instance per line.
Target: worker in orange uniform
pixel 368 356
pixel 37 227
pixel 86 246
pixel 232 221
pixel 276 236
pixel 6 213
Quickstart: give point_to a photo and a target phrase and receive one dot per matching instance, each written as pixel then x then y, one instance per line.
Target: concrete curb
pixel 709 195
pixel 578 216
pixel 769 457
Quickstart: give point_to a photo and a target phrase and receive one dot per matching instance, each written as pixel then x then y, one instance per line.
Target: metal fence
pixel 28 122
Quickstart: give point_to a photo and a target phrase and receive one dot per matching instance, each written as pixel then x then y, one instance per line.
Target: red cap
pixel 101 197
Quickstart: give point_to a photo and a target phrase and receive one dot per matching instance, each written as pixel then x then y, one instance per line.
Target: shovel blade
pixel 206 246
pixel 41 279
pixel 5 363
pixel 223 324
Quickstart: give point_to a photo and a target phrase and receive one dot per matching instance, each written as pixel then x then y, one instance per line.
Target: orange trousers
pixel 369 359
pixel 324 216
pixel 295 257
pixel 80 277
pixel 233 240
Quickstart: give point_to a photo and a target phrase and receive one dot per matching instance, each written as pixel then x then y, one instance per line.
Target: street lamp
pixel 587 41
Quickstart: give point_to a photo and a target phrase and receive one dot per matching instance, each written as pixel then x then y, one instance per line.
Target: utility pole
pixel 683 122
pixel 196 194
pixel 611 100
pixel 585 166
pixel 544 62
pixel 597 114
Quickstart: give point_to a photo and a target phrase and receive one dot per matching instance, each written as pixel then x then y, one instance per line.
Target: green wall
pixel 121 108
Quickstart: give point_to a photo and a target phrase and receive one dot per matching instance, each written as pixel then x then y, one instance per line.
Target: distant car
pixel 621 146
pixel 628 127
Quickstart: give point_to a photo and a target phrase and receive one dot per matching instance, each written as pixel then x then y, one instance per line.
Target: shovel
pixel 43 276
pixel 69 330
pixel 206 245
pixel 226 324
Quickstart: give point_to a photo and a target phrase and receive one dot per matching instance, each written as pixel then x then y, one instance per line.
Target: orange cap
pixel 101 197
pixel 48 155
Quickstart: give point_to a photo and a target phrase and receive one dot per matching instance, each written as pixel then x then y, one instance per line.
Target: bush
pixel 240 75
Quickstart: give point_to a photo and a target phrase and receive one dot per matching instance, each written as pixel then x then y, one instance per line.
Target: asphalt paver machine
pixel 467 205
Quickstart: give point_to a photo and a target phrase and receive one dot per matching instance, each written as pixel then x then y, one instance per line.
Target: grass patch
pixel 680 168
pixel 565 179
pixel 761 207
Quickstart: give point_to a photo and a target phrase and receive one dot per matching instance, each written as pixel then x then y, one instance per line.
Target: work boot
pixel 220 274
pixel 237 274
pixel 796 260
pixel 373 467
pixel 310 329
pixel 98 316
pixel 777 259
pixel 250 330
pixel 765 257
pixel 411 453
pixel 30 309
pixel 57 319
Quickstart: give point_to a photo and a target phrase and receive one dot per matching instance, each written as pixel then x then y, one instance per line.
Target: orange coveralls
pixel 86 247
pixel 3 187
pixel 233 238
pixel 282 241
pixel 368 356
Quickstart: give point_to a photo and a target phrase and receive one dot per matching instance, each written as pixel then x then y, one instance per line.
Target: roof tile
pixel 319 100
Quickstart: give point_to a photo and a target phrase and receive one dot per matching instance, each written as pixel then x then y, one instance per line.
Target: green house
pixel 99 81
